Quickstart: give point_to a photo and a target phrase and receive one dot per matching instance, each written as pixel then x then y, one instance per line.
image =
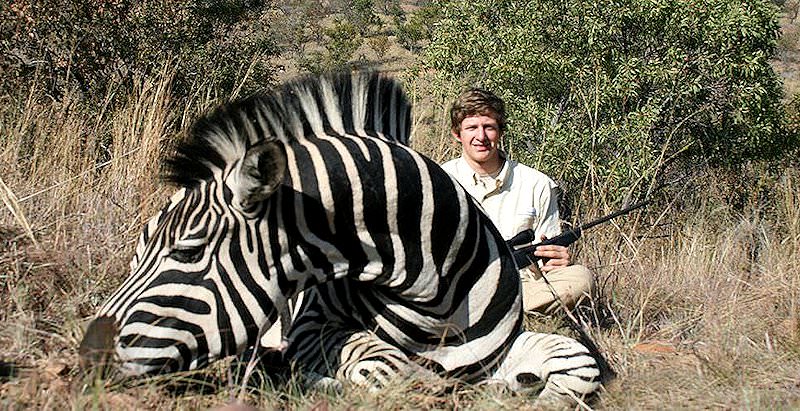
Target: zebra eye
pixel 187 255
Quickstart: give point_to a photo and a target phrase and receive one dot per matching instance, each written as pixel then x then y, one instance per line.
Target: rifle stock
pixel 524 257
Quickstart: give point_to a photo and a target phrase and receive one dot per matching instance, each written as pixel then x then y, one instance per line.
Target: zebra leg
pixel 367 361
pixel 565 366
pixel 356 357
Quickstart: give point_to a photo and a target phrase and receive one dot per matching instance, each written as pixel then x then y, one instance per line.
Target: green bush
pixel 361 14
pixel 90 46
pixel 606 96
pixel 414 31
pixel 340 41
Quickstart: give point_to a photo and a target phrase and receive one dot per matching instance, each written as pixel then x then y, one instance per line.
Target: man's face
pixel 479 136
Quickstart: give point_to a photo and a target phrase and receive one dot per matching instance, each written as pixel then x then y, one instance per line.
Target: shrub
pixel 605 96
pixel 414 31
pixel 93 45
pixel 379 44
pixel 361 14
pixel 340 41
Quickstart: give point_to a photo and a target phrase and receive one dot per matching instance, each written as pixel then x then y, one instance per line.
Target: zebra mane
pixel 360 104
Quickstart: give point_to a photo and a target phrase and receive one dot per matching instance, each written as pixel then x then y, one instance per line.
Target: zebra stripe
pixel 311 187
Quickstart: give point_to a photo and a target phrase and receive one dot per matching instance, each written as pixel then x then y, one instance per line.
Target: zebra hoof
pixel 319 382
pixel 560 368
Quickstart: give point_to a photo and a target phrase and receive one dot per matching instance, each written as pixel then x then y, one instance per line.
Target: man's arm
pixel 554 256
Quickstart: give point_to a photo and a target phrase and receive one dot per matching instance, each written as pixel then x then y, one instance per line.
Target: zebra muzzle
pixel 97 347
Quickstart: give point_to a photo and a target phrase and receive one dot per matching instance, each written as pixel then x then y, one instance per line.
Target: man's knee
pixel 576 284
pixel 582 279
pixel 573 285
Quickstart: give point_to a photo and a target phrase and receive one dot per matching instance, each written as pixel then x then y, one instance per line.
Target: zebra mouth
pixel 97 347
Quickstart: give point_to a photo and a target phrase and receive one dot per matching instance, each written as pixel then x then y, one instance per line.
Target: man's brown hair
pixel 477 102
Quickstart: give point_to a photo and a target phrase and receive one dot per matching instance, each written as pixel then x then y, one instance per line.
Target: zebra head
pixel 198 274
pixel 213 268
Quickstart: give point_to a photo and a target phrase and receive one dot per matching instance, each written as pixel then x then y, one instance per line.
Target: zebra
pixel 312 186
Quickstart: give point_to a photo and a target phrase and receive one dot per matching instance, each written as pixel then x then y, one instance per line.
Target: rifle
pixel 524 256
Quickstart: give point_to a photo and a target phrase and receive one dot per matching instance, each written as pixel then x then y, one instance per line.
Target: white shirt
pixel 518 198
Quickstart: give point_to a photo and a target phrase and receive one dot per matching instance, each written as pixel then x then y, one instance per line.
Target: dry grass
pixel 722 294
pixel 702 312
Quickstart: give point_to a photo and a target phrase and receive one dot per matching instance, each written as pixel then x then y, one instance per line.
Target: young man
pixel 515 197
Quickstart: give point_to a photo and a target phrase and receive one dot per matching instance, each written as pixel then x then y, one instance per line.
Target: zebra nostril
pixel 97 347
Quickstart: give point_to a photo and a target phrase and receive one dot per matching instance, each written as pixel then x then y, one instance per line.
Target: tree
pixel 605 96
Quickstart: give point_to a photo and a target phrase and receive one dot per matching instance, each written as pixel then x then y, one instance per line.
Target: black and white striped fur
pixel 311 186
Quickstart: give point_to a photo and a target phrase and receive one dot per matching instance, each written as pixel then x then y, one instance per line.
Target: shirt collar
pixel 500 179
pixel 505 171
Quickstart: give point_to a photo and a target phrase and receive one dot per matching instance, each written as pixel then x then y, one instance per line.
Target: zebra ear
pixel 259 174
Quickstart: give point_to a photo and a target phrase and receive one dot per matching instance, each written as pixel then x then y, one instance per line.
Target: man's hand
pixel 554 256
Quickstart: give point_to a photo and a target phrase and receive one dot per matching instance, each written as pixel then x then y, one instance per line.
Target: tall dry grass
pixel 705 315
pixel 698 308
pixel 85 179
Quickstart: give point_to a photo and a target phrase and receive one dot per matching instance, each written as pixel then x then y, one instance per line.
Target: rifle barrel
pixel 615 214
pixel 524 256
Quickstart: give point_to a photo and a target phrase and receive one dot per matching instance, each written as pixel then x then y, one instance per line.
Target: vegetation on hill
pixel 700 297
pixel 608 96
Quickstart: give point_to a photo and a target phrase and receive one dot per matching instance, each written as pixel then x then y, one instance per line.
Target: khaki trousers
pixel 573 284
